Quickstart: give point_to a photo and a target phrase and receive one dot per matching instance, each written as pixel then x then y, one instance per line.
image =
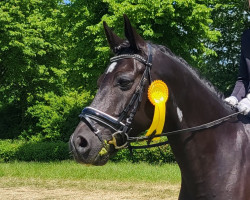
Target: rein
pixel 192 129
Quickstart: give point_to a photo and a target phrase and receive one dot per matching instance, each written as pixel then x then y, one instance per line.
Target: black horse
pixel 214 162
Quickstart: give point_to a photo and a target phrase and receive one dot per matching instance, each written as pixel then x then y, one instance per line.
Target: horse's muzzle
pixel 86 148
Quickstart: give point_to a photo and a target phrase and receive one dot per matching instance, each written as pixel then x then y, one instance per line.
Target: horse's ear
pixel 113 39
pixel 134 39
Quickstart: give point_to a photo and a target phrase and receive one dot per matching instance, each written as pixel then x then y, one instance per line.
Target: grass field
pixel 69 180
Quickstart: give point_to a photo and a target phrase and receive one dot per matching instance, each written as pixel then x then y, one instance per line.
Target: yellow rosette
pixel 158 96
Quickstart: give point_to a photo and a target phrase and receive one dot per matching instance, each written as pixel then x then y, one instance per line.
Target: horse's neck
pixel 192 101
pixel 196 104
pixel 209 158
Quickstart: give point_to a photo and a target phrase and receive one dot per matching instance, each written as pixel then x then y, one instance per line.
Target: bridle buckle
pixel 114 141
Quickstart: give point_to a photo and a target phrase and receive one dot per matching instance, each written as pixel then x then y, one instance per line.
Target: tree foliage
pixel 31 50
pixel 52 53
pixel 231 18
pixel 183 26
pixel 31 54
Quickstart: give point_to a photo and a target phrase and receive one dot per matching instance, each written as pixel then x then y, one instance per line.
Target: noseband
pixel 122 125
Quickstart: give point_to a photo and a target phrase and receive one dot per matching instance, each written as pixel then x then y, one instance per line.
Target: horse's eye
pixel 125 83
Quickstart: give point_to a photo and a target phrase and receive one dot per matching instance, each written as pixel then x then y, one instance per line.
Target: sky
pixel 66 1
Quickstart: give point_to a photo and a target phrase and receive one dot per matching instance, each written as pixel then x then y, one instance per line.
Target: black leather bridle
pixel 122 125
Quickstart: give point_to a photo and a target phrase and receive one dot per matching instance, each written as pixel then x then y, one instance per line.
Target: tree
pixel 31 53
pixel 85 62
pixel 52 53
pixel 206 33
pixel 183 26
pixel 231 19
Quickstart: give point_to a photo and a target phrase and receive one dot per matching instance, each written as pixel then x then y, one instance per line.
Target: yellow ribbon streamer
pixel 158 96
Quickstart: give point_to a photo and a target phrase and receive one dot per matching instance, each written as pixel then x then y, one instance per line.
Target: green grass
pixel 70 180
pixel 73 171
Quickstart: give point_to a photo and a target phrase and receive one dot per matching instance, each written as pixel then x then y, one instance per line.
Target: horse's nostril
pixel 82 142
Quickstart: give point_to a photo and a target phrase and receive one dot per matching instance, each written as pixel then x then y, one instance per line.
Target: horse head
pixel 118 109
